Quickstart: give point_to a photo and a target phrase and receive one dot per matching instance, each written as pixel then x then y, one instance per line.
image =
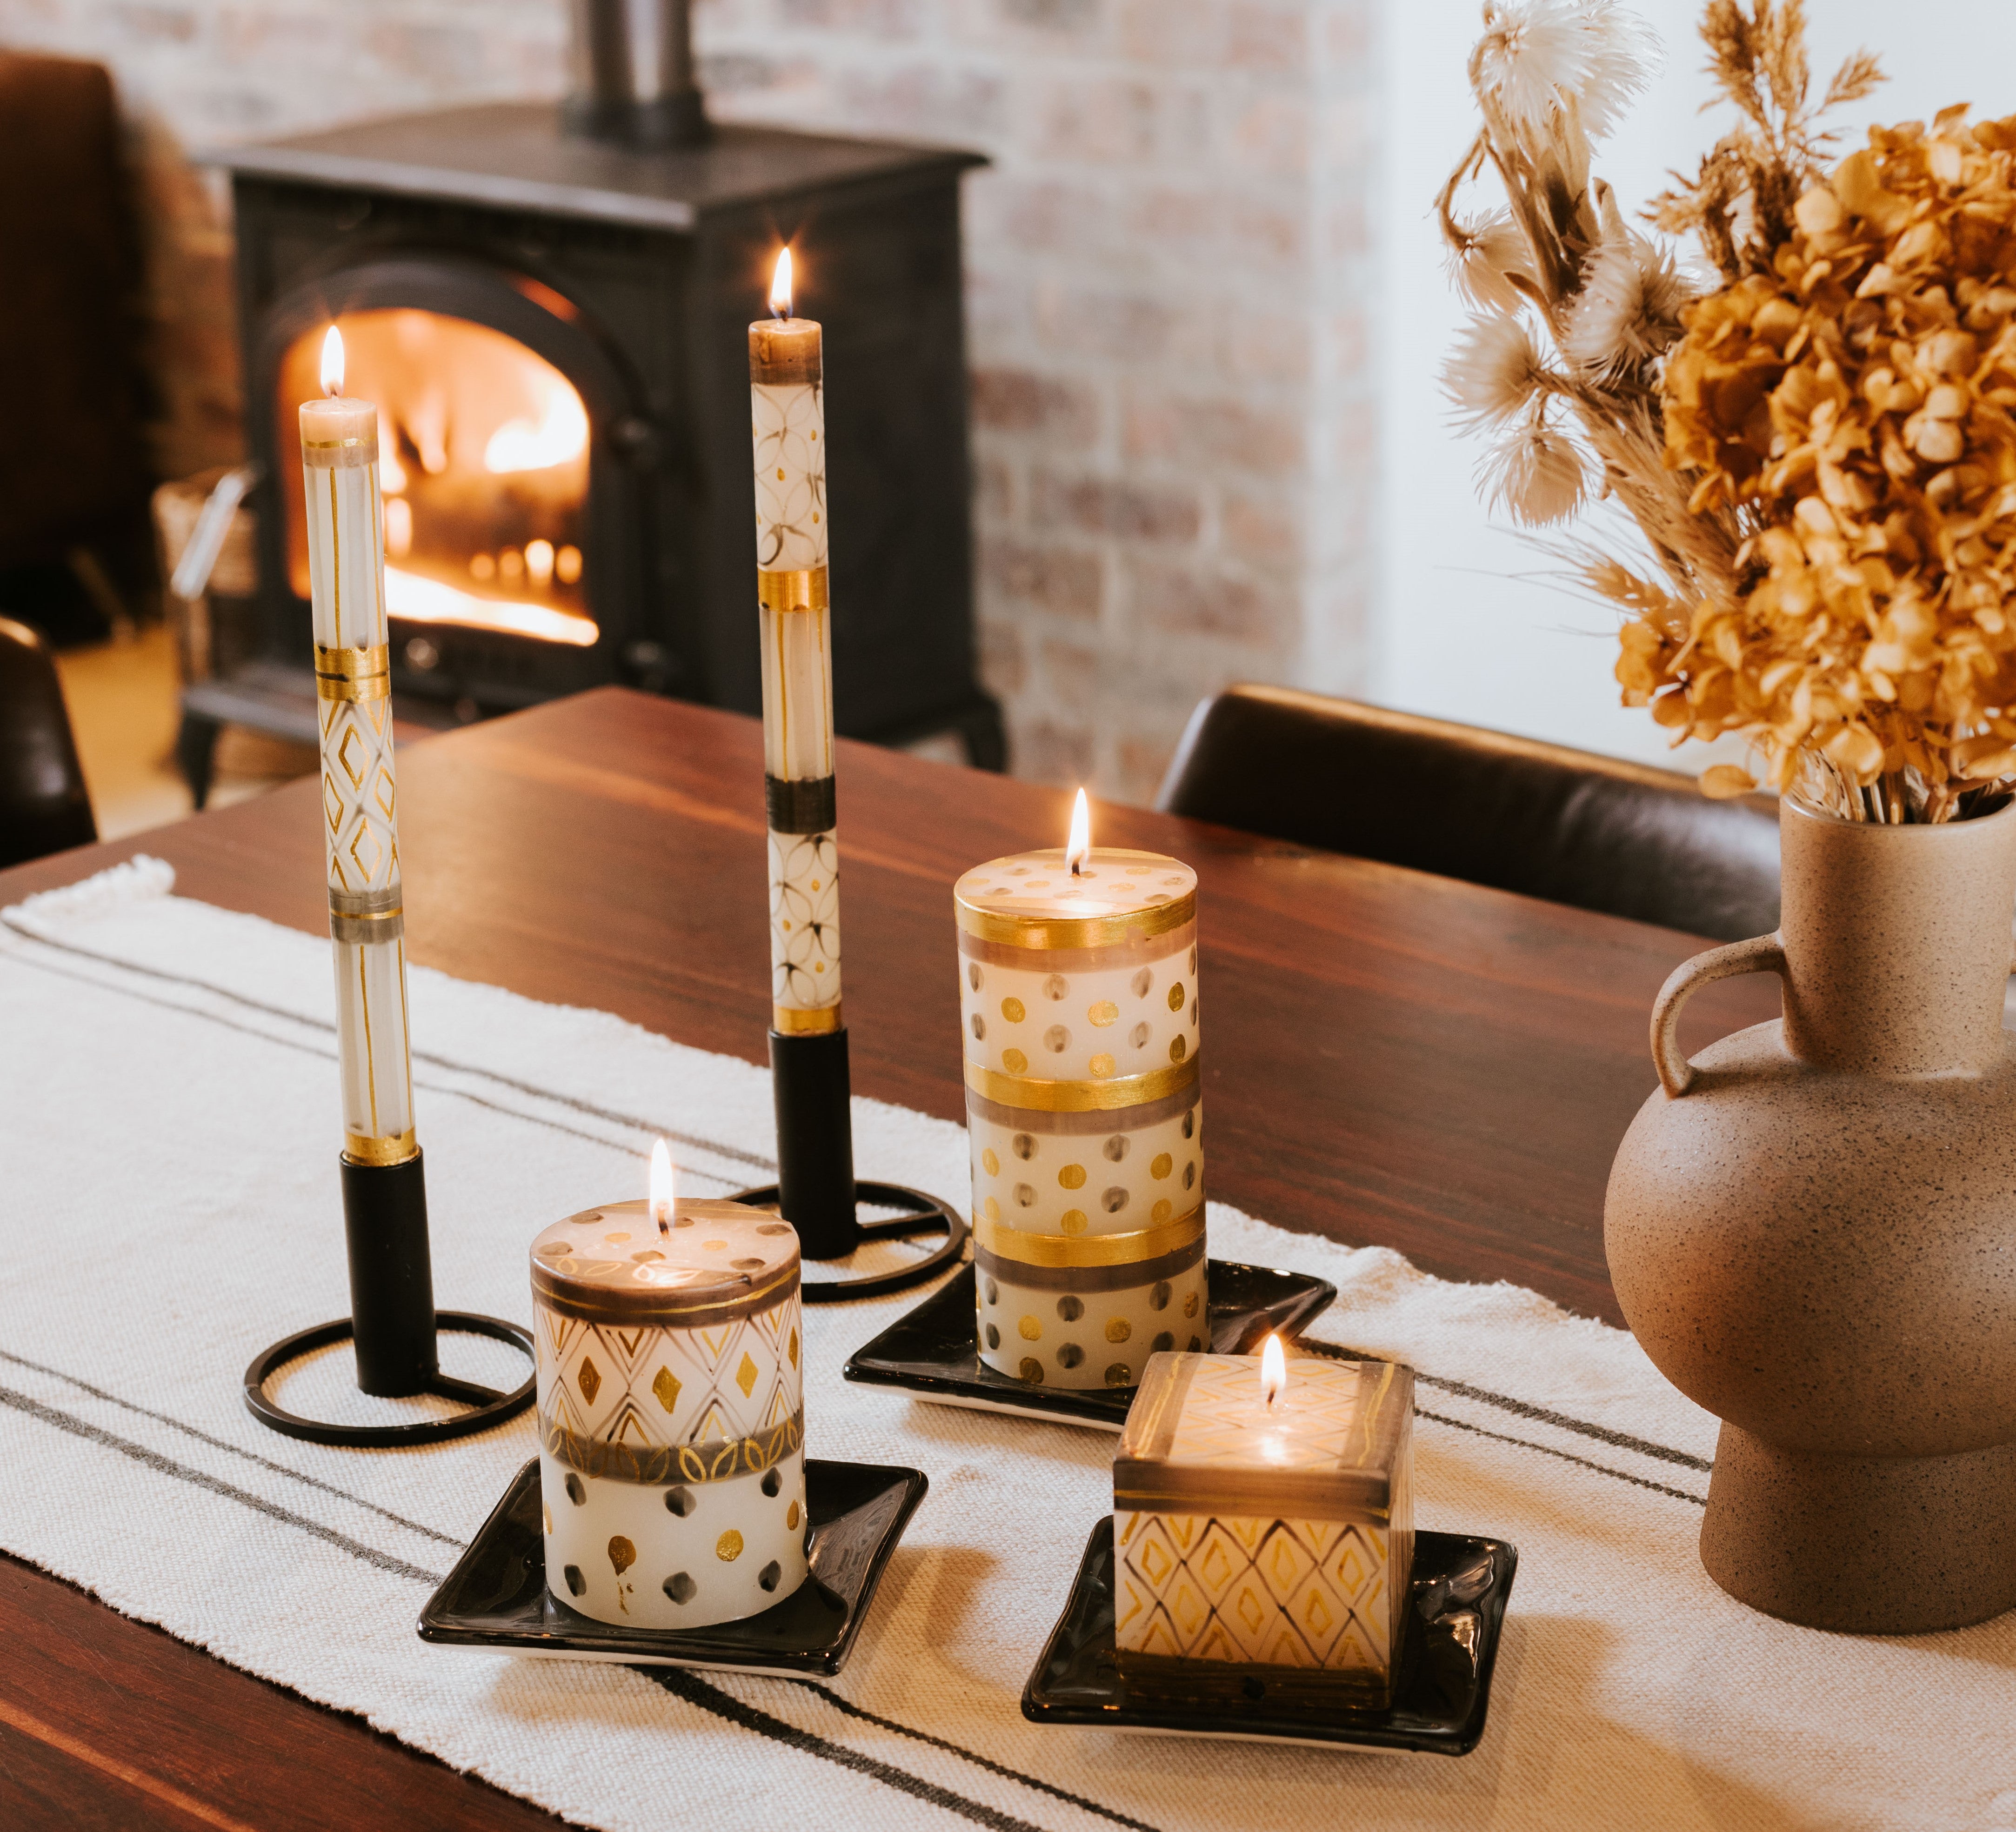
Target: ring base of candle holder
pixel 490 1407
pixel 393 1322
pixel 922 1214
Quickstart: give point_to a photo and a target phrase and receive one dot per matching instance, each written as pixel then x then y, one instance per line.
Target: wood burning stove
pixel 553 329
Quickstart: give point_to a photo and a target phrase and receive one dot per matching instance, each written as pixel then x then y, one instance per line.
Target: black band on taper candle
pixel 800 807
pixel 391 1275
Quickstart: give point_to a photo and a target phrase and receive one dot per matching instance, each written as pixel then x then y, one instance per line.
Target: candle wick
pixel 665 1226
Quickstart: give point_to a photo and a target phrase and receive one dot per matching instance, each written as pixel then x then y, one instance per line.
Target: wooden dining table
pixel 1392 1059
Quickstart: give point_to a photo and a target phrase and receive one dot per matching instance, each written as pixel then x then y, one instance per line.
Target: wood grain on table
pixel 1389 1058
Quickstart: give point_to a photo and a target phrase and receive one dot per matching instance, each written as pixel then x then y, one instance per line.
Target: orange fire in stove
pixel 483 460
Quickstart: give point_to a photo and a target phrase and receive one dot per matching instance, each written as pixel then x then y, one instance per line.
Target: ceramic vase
pixel 1812 1230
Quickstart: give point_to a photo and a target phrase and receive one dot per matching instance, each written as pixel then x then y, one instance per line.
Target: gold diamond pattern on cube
pixel 1284 1594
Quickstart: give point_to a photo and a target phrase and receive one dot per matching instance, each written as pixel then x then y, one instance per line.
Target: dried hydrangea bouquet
pixel 1818 449
pixel 1809 1224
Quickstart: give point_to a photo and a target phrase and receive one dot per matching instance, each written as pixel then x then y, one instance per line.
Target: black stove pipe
pixel 632 66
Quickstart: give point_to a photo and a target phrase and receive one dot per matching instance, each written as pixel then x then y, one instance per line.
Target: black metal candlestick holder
pixel 816 1190
pixel 393 1322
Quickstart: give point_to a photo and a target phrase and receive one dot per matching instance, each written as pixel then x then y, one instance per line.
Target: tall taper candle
pixel 360 814
pixel 807 1037
pixel 788 416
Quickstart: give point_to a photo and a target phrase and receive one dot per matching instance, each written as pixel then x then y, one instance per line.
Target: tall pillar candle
pixel 1079 1011
pixel 671 1413
pixel 788 417
pixel 346 541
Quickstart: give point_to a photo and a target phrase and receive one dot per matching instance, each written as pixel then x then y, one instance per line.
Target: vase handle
pixel 1761 954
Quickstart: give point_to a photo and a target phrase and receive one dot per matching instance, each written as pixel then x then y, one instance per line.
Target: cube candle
pixel 1251 1537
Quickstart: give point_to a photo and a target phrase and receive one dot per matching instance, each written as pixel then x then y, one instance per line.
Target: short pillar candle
pixel 672 1415
pixel 1079 1011
pixel 1255 1536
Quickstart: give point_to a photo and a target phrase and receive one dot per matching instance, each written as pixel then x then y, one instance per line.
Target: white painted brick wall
pixel 1168 290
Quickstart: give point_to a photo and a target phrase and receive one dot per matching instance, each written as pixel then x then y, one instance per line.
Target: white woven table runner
pixel 168 1203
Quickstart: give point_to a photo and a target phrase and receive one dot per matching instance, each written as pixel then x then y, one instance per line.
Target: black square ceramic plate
pixel 932 1352
pixel 496 1595
pixel 1461 1589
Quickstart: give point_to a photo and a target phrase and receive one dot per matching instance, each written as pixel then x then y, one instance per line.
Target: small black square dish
pixel 1461 1588
pixel 932 1352
pixel 496 1596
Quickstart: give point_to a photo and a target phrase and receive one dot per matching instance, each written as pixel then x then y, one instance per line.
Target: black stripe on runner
pixel 978 1760
pixel 1567 1457
pixel 1540 1414
pixel 77 1427
pixel 165 1466
pixel 732 1153
pixel 689 1687
pixel 682 1683
pixel 251 1456
pixel 1335 1352
pixel 321 1054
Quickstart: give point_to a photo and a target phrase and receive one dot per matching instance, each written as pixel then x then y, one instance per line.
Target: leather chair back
pixel 43 805
pixel 1568 826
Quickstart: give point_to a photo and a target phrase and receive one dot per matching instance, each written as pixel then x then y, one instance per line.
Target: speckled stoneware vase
pixel 1812 1230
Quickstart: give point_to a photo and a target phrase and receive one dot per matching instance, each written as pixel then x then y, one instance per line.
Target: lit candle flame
pixel 662 1187
pixel 1273 1371
pixel 780 284
pixel 1079 849
pixel 332 363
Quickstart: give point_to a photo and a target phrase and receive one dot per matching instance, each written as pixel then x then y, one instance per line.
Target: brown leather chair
pixel 1568 825
pixel 43 805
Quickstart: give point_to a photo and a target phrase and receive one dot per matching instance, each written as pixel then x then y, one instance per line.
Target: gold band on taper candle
pixel 354 673
pixel 360 1148
pixel 359 792
pixel 791 1021
pixel 802 590
pixel 339 454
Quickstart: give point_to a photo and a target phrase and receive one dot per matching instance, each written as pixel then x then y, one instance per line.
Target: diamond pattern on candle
pixel 362 852
pixel 657 1386
pixel 1297 1593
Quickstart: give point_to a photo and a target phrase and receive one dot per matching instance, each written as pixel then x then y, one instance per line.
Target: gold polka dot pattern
pixel 1078 1024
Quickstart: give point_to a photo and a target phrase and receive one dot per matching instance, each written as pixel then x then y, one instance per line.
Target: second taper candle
pixel 808 1036
pixel 788 417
